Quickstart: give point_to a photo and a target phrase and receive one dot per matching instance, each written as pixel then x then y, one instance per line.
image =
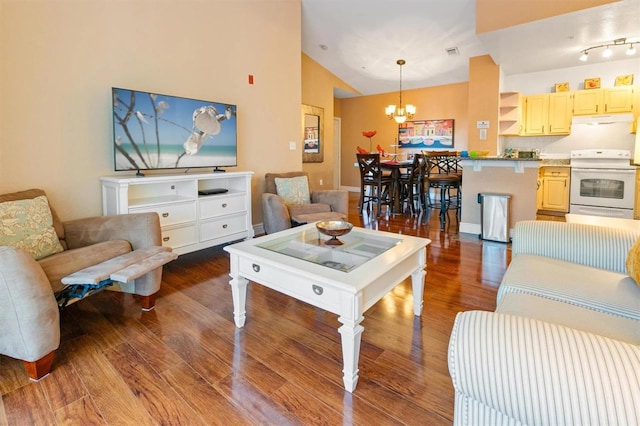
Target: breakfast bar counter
pixel 517 177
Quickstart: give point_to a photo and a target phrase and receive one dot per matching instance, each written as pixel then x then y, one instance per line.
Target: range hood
pixel 602 119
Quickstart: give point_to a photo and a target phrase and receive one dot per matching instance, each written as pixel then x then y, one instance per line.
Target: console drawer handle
pixel 224 205
pixel 165 239
pixel 224 226
pixel 165 214
pixel 317 289
pixel 256 267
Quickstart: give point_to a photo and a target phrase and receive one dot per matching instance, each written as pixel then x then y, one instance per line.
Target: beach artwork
pixel 426 134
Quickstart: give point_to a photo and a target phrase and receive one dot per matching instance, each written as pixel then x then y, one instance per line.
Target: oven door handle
pixel 614 171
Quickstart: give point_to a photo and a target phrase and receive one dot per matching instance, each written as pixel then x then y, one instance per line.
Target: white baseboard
pixel 470 228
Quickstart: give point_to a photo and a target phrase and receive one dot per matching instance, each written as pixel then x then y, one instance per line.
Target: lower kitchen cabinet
pixel 554 192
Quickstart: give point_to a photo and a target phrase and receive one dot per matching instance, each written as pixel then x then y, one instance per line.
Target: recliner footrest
pixel 123 268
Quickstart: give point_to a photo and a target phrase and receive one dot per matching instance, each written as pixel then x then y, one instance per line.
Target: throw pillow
pixel 633 262
pixel 28 224
pixel 294 190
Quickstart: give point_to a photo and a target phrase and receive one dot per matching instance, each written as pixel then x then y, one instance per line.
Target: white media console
pixel 190 221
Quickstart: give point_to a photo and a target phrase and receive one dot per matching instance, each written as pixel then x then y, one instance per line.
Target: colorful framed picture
pixel 426 134
pixel 592 83
pixel 562 87
pixel 624 80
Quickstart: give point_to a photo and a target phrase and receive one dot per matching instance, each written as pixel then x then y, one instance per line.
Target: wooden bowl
pixel 334 229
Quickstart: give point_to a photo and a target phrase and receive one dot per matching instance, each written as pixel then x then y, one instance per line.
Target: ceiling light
pixel 399 113
pixel 608 52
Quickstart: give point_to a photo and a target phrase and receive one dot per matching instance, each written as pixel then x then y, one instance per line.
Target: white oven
pixel 602 183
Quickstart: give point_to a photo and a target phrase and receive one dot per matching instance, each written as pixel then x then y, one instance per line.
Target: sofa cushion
pixel 28 224
pixel 557 312
pixel 33 193
pixel 596 289
pixel 62 264
pixel 633 262
pixel 293 190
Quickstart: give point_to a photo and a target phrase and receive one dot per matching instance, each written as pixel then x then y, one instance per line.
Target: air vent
pixel 452 51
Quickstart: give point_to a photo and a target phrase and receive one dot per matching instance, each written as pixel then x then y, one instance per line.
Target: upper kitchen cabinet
pixel 560 112
pixel 510 119
pixel 536 108
pixel 588 102
pixel 618 99
pixel 548 114
pixel 603 101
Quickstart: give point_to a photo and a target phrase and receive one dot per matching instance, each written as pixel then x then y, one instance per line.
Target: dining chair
pixel 375 186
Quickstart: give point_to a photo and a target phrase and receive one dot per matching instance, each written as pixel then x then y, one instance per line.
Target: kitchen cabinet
pixel 536 114
pixel 548 114
pixel 560 113
pixel 603 101
pixel 555 189
pixel 510 120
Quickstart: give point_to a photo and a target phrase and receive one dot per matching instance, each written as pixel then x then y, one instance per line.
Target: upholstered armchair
pixel 287 201
pixel 48 264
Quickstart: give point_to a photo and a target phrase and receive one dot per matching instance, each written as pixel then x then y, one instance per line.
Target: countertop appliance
pixel 602 183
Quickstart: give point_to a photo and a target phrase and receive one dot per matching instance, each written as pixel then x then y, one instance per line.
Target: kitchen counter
pixel 518 164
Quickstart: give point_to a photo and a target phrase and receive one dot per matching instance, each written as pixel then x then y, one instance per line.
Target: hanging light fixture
pixel 608 52
pixel 400 113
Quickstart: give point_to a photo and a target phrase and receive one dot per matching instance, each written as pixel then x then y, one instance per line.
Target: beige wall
pixel 317 90
pixel 367 113
pixel 61 58
pixel 494 15
pixel 484 85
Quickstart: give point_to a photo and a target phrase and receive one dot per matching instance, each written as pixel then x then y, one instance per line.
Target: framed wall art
pixel 312 134
pixel 426 134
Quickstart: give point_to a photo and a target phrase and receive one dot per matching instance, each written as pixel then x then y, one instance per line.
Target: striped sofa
pixel 562 347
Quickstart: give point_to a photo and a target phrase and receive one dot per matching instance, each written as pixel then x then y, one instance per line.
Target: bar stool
pixel 374 184
pixel 441 178
pixel 413 185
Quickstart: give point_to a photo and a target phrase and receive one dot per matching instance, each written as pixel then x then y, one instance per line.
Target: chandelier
pixel 631 50
pixel 400 114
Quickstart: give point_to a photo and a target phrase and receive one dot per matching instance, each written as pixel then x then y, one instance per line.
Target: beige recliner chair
pixel 279 213
pixel 122 253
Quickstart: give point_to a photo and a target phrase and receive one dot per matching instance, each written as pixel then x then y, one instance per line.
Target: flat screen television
pixel 155 131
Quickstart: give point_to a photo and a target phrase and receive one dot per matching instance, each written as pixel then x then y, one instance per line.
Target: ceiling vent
pixel 452 51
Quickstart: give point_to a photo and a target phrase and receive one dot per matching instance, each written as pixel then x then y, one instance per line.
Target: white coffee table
pixel 345 280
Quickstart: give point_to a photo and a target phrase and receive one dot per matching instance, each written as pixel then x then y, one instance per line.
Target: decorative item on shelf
pixel 562 87
pixel 592 83
pixel 624 80
pixel 369 134
pixel 607 52
pixel 334 229
pixel 400 114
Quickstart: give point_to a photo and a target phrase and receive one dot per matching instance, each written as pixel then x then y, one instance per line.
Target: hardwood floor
pixel 186 363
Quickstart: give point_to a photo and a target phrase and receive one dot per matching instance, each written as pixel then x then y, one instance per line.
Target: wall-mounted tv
pixel 155 131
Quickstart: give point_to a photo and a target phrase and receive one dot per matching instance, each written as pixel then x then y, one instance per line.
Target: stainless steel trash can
pixel 494 217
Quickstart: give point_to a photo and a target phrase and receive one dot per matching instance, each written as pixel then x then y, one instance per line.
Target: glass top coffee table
pixel 346 280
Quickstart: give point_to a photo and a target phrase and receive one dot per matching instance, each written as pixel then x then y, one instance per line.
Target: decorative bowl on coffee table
pixel 334 229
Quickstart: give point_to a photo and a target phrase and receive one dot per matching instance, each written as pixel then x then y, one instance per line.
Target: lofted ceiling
pixel 360 41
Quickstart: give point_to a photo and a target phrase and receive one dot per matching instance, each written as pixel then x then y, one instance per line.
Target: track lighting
pixel 608 51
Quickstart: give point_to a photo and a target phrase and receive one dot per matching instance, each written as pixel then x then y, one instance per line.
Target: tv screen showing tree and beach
pixel 156 131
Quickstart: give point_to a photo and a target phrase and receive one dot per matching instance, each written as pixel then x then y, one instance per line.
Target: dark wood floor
pixel 186 363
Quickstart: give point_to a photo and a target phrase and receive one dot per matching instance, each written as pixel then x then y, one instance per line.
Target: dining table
pixel 396 167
